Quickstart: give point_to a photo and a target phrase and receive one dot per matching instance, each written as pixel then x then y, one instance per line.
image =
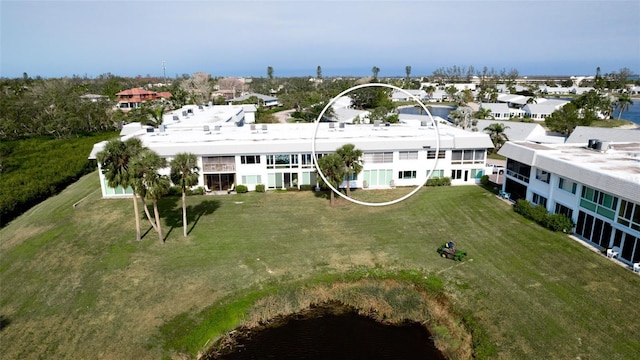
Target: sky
pixel 58 38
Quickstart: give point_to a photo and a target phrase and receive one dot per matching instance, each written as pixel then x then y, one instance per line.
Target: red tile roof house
pixel 132 98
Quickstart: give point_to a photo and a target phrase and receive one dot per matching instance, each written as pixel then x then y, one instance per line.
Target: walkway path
pixel 283 116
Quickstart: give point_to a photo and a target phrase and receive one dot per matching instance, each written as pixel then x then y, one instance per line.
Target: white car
pixel 497 169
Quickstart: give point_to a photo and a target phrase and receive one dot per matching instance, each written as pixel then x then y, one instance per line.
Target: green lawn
pixel 75 283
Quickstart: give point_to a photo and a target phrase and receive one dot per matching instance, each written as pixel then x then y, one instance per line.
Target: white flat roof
pixel 616 170
pixel 226 138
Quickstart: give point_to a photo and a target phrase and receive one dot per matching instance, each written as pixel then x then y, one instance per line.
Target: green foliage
pixel 439 181
pixel 260 188
pixel 484 179
pixel 539 214
pixel 34 169
pixel 559 222
pixel 307 187
pixel 241 189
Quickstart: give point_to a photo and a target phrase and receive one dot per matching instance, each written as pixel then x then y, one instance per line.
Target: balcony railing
pixel 219 167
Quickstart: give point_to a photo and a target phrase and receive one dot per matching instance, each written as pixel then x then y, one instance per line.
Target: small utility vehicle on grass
pixel 450 251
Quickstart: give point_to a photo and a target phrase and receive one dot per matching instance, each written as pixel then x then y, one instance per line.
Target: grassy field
pixel 75 283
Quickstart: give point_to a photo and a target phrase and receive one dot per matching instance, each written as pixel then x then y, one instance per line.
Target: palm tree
pixel 375 70
pixel 407 71
pixel 497 135
pixel 483 113
pixel 624 100
pixel 150 184
pixel 350 157
pixel 333 169
pixel 184 173
pixel 115 163
pixel 156 113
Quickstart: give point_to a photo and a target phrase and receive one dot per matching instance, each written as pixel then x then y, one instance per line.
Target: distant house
pixel 132 98
pixel 514 101
pixel 522 131
pixel 502 111
pixel 398 96
pixel 264 100
pixel 93 97
pixel 543 108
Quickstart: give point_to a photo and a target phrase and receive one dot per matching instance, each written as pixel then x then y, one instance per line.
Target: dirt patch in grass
pixel 16 237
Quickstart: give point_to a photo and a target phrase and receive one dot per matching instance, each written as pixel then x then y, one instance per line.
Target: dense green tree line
pixel 31 170
pixel 33 107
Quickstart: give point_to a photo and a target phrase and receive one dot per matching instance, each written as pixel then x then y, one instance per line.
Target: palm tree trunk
pixel 146 211
pixel 331 197
pixel 184 212
pixel 137 216
pixel 157 214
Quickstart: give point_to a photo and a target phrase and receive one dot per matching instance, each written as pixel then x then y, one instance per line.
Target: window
pixel 599 202
pixel 629 214
pixel 456 174
pixel 407 174
pixel 281 161
pixel 250 159
pixel 542 175
pixel 467 156
pixel 431 154
pixel 378 157
pixel 251 179
pixel 539 199
pixel 477 173
pixel 436 174
pixel 377 177
pixel 408 155
pixel 561 209
pixel 307 160
pixel 567 185
pixel 456 157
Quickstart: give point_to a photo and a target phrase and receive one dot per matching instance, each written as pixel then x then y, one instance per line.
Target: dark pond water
pixel 441 111
pixel 333 331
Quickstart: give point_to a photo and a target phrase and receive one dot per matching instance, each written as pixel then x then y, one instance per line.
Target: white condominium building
pixel 596 184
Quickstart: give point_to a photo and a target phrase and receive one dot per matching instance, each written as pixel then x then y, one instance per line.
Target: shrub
pixel 484 179
pixel 174 191
pixel 241 189
pixel 197 191
pixel 260 188
pixel 307 187
pixel 522 207
pixel 443 181
pixel 559 222
pixel 539 214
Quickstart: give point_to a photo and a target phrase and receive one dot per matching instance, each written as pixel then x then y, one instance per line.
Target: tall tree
pixel 333 169
pixel 150 184
pixel 184 173
pixel 155 113
pixel 375 70
pixel 351 158
pixel 497 135
pixel 407 71
pixel 463 117
pixel 319 72
pixel 115 162
pixel 623 102
pixel 567 118
pixel 270 72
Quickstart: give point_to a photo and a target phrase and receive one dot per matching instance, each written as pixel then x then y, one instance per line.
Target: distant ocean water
pixel 632 114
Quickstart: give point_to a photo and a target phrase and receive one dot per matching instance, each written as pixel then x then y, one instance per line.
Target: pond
pixel 330 331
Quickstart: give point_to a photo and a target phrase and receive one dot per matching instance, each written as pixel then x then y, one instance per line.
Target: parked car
pixel 497 169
